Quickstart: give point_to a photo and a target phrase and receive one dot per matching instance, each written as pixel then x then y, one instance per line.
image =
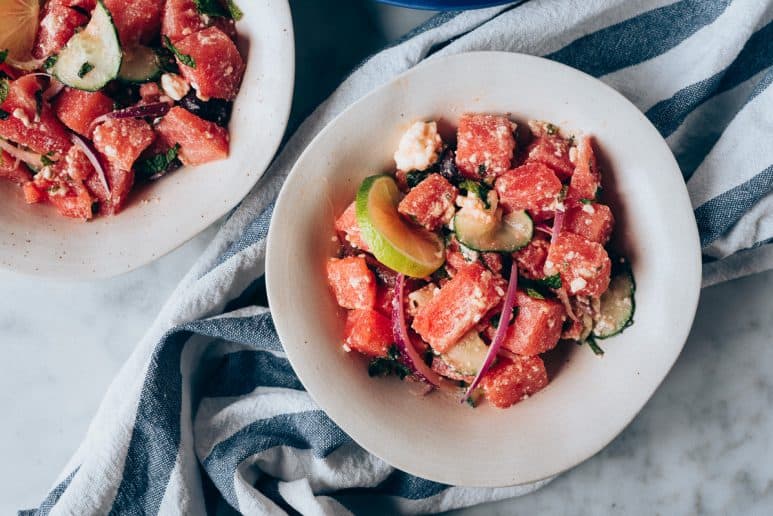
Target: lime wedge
pixel 404 248
pixel 18 27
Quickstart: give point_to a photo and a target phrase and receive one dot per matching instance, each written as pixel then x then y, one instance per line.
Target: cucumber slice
pixel 617 306
pixel 92 57
pixel 468 355
pixel 407 249
pixel 140 64
pixel 511 233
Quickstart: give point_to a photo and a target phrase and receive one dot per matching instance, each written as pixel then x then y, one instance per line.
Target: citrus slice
pixel 407 249
pixel 18 27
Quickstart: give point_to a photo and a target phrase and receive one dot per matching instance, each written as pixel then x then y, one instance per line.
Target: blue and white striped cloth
pixel 208 416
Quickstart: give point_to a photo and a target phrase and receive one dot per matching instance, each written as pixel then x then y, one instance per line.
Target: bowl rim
pixel 283 106
pixel 692 284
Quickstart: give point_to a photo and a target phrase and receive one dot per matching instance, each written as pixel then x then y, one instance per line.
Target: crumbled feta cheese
pixel 419 147
pixel 19 114
pixel 174 86
pixel 588 208
pixel 577 284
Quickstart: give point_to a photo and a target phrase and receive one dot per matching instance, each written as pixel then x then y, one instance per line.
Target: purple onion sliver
pixel 155 109
pixel 92 157
pixel 501 333
pixel 558 224
pixel 545 229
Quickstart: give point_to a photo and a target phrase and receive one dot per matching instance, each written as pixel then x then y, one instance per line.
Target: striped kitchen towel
pixel 207 415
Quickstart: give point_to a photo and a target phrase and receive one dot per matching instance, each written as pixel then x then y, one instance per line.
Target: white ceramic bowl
pixel 590 399
pixel 161 217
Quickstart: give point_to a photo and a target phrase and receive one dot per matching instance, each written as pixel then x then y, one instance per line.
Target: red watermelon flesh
pixel 137 21
pixel 181 19
pixel 12 170
pixel 532 187
pixel 592 221
pixel 537 327
pixel 122 140
pixel 512 380
pixel 368 332
pixel 349 228
pixel 584 266
pixel 219 66
pixel 58 24
pixel 531 259
pixel 353 284
pixel 586 179
pixel 485 145
pixel 200 141
pixel 77 109
pixel 430 203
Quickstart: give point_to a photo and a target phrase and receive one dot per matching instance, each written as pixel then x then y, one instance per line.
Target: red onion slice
pixel 53 89
pixel 558 224
pixel 544 229
pixel 27 157
pixel 408 353
pixel 155 110
pixel 501 333
pixel 92 157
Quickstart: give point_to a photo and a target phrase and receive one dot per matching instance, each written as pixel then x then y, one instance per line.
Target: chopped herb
pixel 234 10
pixel 599 192
pixel 553 281
pixel 586 201
pixel 4 114
pixel 3 55
pixel 210 7
pixel 551 129
pixel 470 402
pixel 95 207
pixel 482 170
pixel 50 62
pixel 160 164
pixel 481 190
pixel 534 294
pixel 183 58
pixel 46 159
pixel 562 193
pixel 4 89
pixel 414 178
pixel 85 69
pixel 496 318
pixel 593 346
pixel 385 366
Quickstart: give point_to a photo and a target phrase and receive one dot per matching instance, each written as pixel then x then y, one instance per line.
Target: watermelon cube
pixel 532 187
pixel 459 306
pixel 485 145
pixel 33 194
pixel 592 221
pixel 77 109
pixel 430 203
pixel 368 332
pixel 76 165
pixel 584 266
pixel 348 227
pixel 384 296
pixel 181 19
pixel 13 170
pixel 352 282
pixel 137 21
pixel 122 140
pixel 31 124
pixel 512 380
pixel 550 149
pixel 59 21
pixel 531 259
pixel 219 67
pixel 200 141
pixel 586 180
pixel 120 182
pixel 537 327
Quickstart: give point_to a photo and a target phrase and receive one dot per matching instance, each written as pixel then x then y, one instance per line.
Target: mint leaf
pixel 534 294
pixel 477 188
pixel 183 58
pixel 553 281
pixel 3 55
pixel 158 165
pixel 234 11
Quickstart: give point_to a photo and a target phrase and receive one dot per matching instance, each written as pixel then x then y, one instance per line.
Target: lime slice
pixel 407 249
pixel 18 27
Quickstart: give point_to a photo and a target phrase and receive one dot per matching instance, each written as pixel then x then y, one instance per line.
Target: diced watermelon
pixel 77 165
pixel 29 124
pixel 122 140
pixel 493 261
pixel 591 221
pixel 384 296
pixel 219 66
pixel 586 179
pixel 458 307
pixel 531 259
pixel 181 19
pixel 76 201
pixel 510 381
pixel 485 145
pixel 150 92
pixel 368 332
pixel 532 187
pixel 584 266
pixel 77 109
pixel 353 284
pixel 430 203
pixel 137 21
pixel 200 141
pixel 32 194
pixel 120 182
pixel 348 227
pixel 551 149
pixel 537 327
pixel 12 170
pixel 58 24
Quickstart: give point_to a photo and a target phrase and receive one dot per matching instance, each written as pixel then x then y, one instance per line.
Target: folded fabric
pixel 207 415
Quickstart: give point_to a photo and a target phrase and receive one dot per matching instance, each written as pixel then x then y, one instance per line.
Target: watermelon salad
pixel 107 94
pixel 471 261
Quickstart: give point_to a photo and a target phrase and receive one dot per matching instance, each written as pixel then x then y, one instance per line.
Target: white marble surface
pixel 702 444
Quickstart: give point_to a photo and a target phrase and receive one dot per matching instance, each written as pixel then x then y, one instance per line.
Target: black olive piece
pixel 214 110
